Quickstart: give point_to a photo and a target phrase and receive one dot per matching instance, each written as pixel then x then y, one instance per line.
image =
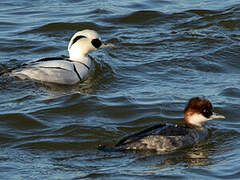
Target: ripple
pixel 62 26
pixel 5 24
pixel 21 122
pixel 17 44
pixel 210 67
pixel 231 24
pixel 71 137
pixel 138 17
pixel 207 19
pixel 6 138
pixel 231 92
pixel 51 146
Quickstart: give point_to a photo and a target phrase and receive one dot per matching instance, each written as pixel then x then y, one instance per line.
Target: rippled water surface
pixel 167 52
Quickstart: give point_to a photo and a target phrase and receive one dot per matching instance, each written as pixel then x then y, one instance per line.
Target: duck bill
pixel 109 45
pixel 217 116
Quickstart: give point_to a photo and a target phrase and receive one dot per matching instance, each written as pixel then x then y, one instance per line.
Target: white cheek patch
pixel 197 119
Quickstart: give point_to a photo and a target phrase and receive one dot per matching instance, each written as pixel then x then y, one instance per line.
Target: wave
pixel 63 26
pixel 21 121
pixel 137 17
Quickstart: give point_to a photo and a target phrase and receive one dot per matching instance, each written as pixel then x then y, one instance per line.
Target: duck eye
pixel 96 43
pixel 207 113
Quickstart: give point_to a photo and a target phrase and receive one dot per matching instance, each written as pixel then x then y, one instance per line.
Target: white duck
pixel 61 70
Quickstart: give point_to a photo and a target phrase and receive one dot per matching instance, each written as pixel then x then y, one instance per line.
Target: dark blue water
pixel 167 52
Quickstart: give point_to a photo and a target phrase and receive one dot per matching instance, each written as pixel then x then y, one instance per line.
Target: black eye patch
pixel 96 43
pixel 207 113
pixel 77 38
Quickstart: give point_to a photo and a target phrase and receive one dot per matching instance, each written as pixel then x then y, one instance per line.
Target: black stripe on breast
pixel 75 70
pixel 85 65
pixel 80 63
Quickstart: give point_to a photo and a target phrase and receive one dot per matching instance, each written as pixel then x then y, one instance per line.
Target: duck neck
pixel 78 56
pixel 197 127
pixel 76 53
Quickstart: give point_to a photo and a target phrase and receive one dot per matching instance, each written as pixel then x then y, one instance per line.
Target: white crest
pixel 78 50
pixel 89 34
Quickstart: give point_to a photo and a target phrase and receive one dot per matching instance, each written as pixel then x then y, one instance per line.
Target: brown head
pixel 198 111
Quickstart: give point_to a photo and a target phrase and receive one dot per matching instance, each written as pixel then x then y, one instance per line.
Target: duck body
pixel 57 70
pixel 162 138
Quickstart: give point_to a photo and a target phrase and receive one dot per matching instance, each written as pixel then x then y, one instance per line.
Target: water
pixel 167 52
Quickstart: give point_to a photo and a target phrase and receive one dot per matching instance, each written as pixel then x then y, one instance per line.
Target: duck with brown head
pixel 169 137
pixel 198 111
